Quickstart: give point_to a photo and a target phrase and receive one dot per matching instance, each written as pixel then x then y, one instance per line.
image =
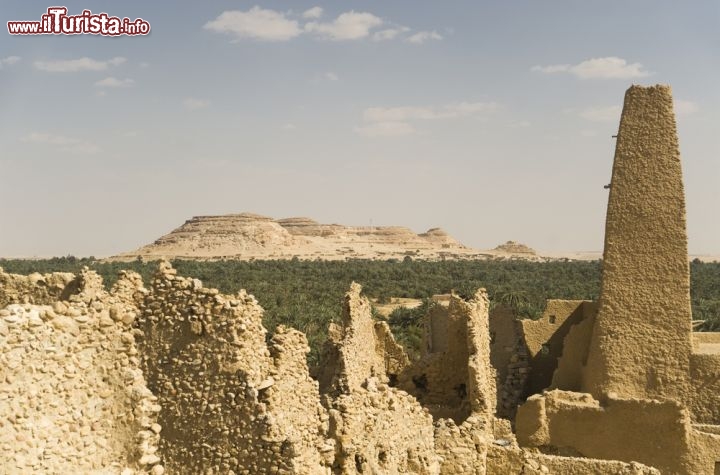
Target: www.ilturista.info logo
pixel 57 22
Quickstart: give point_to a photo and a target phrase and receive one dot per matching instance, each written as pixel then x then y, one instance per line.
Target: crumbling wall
pixel 504 335
pixel 376 428
pixel 705 377
pixel 226 400
pixel 705 342
pixel 538 348
pixel 505 456
pixel 360 352
pixel 656 433
pixel 704 454
pixel 463 447
pixel 504 460
pixel 379 429
pixel 705 380
pixel 514 388
pixel 35 288
pixel 300 422
pixel 73 398
pixel 393 354
pixel 482 389
pixel 545 336
pixel 439 379
pixel 641 340
pixel 205 357
pixel 568 375
pixel 358 347
pixel 324 372
pixel 509 356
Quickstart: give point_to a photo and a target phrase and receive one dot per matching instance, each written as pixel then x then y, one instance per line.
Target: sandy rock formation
pixel 221 236
pixel 515 248
pixel 249 236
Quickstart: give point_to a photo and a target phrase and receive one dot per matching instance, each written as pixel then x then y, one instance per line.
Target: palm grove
pixel 307 295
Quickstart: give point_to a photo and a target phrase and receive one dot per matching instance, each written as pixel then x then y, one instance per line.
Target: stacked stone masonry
pixel 178 378
pixel 73 397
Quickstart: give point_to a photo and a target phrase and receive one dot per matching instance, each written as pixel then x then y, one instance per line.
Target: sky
pixel 492 120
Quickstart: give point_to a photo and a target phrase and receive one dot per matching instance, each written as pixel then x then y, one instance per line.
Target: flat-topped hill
pixel 512 247
pixel 248 236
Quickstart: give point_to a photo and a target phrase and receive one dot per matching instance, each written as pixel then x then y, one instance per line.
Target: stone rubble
pixel 177 378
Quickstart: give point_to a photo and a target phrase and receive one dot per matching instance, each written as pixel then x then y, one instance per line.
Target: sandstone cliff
pixel 248 236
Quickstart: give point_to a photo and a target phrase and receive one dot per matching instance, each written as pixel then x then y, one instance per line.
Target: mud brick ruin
pixel 172 377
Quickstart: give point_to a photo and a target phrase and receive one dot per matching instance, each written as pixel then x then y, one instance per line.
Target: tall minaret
pixel 641 341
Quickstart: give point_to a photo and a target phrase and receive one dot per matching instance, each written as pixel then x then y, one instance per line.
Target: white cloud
pixel 115 82
pixel 289 126
pixel 683 107
pixel 76 65
pixel 144 65
pixel 331 76
pixel 314 12
pixel 256 23
pixel 10 60
pixel 588 133
pixel 348 26
pixel 385 129
pixel 394 121
pixel 449 111
pixel 610 67
pixel 389 33
pixel 192 103
pixel 63 143
pixel 602 114
pixel 271 25
pixel 423 36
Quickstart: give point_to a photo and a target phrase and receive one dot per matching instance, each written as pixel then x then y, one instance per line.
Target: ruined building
pixel 634 382
pixel 172 377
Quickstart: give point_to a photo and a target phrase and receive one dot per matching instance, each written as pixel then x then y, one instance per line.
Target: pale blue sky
pixel 492 120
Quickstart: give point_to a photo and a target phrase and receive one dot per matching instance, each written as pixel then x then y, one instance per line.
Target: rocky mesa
pixel 248 236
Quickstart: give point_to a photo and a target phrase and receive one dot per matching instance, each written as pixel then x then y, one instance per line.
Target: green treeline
pixel 307 295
